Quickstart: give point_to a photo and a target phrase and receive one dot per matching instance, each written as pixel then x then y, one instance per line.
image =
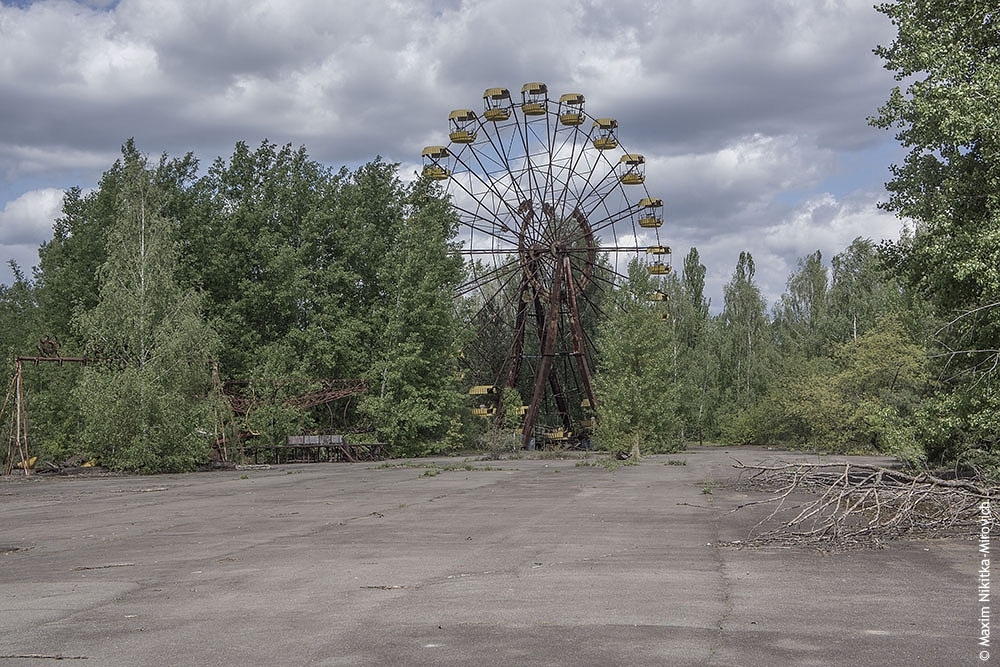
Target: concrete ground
pixel 524 562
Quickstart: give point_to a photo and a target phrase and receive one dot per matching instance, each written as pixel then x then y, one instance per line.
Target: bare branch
pixel 846 504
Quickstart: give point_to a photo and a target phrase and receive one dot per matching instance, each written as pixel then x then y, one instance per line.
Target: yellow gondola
pixel 482 390
pixel 432 166
pixel 650 218
pixel 484 412
pixel 462 123
pixel 605 139
pixel 658 250
pixel 659 295
pixel 496 104
pixel 632 169
pixel 571 109
pixel 659 269
pixel 535 99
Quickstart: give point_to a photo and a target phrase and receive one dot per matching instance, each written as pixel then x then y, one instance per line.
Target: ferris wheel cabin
pixel 571 109
pixel 463 126
pixel 605 139
pixel 496 104
pixel 651 218
pixel 534 99
pixel 433 169
pixel 659 269
pixel 632 169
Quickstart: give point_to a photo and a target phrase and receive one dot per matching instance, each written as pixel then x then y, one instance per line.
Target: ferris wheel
pixel 552 211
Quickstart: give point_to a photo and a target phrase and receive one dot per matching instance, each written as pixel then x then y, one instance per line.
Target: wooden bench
pixel 322 447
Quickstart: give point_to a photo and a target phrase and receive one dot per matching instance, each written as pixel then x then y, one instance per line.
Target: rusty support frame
pixel 548 345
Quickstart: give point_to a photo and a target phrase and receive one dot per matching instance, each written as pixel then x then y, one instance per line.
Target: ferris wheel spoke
pixel 502 272
pixel 577 153
pixel 505 153
pixel 488 184
pixel 491 229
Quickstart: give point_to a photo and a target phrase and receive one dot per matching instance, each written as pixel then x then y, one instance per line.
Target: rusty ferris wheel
pixel 552 209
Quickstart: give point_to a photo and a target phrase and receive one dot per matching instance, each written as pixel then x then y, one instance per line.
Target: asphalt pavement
pixel 458 562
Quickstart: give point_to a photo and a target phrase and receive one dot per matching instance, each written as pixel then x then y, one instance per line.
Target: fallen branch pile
pixel 845 504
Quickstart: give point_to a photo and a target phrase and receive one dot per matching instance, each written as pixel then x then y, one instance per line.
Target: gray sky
pixel 751 113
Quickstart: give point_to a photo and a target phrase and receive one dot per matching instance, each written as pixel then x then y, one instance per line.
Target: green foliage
pixel 143 408
pixel 949 186
pixel 695 340
pixel 744 352
pixel 863 399
pixel 636 394
pixel 802 311
pixel 511 405
pixel 19 315
pixel 414 376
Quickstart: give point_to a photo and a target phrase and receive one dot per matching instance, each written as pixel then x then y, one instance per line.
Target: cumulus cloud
pixel 824 223
pixel 24 219
pixel 744 110
pixel 24 223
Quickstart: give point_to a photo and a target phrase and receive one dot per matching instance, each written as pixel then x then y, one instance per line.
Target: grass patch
pixel 609 463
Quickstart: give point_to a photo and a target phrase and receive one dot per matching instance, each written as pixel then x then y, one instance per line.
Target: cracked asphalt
pixel 521 562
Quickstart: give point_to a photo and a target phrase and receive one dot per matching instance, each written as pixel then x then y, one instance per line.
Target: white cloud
pixel 743 109
pixel 28 219
pixel 821 223
pixel 25 223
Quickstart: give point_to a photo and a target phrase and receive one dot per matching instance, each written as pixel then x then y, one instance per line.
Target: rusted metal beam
pixel 578 343
pixel 548 350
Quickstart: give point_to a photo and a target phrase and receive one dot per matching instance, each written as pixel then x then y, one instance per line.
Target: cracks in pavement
pixel 727 598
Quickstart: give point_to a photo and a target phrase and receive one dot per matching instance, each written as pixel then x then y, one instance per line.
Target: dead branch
pixel 847 504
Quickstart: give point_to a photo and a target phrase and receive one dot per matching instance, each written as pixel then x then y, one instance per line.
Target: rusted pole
pixel 548 350
pixel 577 330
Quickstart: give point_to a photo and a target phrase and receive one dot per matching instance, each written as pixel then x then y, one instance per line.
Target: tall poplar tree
pixel 947 118
pixel 144 404
pixel 745 352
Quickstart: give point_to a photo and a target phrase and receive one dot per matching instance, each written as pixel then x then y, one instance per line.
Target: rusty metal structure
pixel 17 442
pixel 234 401
pixel 552 211
pixel 243 396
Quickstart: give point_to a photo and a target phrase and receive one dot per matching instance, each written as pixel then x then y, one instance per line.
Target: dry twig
pixel 846 504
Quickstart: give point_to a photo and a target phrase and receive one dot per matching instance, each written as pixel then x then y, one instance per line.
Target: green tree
pixel 634 383
pixel 745 354
pixel 860 290
pixel 144 406
pixel 252 246
pixel 949 186
pixel 801 317
pixel 414 384
pixel 863 399
pixel 696 363
pixel 19 329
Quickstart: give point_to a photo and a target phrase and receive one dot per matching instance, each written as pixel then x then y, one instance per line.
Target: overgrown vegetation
pixel 281 274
